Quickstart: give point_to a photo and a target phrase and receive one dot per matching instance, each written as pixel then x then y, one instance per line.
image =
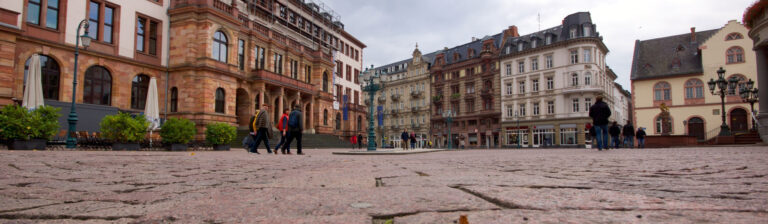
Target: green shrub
pixel 17 122
pixel 124 128
pixel 220 133
pixel 177 130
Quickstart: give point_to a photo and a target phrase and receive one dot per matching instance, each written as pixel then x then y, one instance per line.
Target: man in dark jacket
pixel 615 131
pixel 294 131
pixel 259 127
pixel 404 137
pixel 640 137
pixel 629 135
pixel 359 141
pixel 600 112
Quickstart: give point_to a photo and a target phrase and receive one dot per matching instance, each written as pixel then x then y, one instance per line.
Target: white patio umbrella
pixel 33 92
pixel 151 110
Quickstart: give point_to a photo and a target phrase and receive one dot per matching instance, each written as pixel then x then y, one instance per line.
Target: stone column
pixel 312 107
pixel 280 104
pixel 762 83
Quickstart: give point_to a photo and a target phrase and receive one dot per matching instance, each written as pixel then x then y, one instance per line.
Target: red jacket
pixel 353 139
pixel 281 124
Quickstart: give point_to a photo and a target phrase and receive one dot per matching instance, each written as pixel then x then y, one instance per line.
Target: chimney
pixel 693 34
pixel 512 31
pixel 474 39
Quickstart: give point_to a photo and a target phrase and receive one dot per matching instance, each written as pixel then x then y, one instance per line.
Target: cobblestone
pixel 680 185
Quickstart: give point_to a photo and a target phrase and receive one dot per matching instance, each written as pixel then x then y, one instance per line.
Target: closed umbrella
pixel 151 111
pixel 33 92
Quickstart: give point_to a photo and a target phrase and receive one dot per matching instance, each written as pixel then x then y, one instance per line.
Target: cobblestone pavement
pixel 681 185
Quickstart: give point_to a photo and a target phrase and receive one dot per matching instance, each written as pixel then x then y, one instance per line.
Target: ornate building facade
pixel 550 80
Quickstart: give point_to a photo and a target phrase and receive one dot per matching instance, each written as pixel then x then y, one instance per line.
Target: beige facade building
pixel 675 70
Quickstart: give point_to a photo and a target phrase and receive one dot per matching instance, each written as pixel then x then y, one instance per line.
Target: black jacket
pixel 295 114
pixel 404 136
pixel 614 130
pixel 641 134
pixel 629 130
pixel 600 112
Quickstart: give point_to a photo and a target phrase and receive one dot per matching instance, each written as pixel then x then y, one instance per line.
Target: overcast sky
pixel 390 28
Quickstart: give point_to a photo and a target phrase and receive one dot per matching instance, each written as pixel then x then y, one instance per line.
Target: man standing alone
pixel 260 129
pixel 599 112
pixel 295 127
pixel 360 141
pixel 629 135
pixel 404 137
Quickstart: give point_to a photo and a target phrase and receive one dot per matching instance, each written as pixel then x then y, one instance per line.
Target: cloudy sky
pixel 390 28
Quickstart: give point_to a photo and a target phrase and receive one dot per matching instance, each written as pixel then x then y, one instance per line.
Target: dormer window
pixel 587 30
pixel 572 33
pixel 533 43
pixel 548 39
pixel 520 46
pixel 508 49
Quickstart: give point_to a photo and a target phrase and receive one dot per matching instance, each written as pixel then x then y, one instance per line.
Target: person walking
pixel 360 141
pixel 600 112
pixel 413 140
pixel 629 135
pixel 260 129
pixel 404 137
pixel 282 126
pixel 640 137
pixel 295 127
pixel 615 131
pixel 353 140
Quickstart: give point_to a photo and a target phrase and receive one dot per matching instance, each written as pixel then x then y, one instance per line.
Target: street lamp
pixel 373 84
pixel 517 118
pixel 448 115
pixel 71 140
pixel 749 95
pixel 724 87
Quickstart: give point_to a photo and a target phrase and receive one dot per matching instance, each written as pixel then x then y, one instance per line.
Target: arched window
pixel 338 121
pixel 658 125
pixel 325 117
pixel 734 36
pixel 325 81
pixel 574 79
pixel 742 84
pixel 174 99
pixel 219 47
pixel 734 55
pixel 50 74
pixel 661 91
pixel 139 88
pixel 694 89
pixel 588 79
pixel 98 86
pixel 219 100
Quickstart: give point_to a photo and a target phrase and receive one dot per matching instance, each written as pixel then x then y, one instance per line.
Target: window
pixel 338 121
pixel 587 104
pixel 521 109
pixel 658 124
pixel 487 104
pixel 98 86
pixel 549 61
pixel 146 36
pixel 260 55
pixel 139 88
pixel 587 30
pixel 520 66
pixel 534 64
pixel 550 83
pixel 533 43
pixel 694 88
pixel 735 55
pixel 574 56
pixel 325 117
pixel 509 88
pixel 51 16
pixel 575 105
pixel 588 79
pixel 470 106
pixel 219 47
pixel 220 99
pixel 101 22
pixel 521 87
pixel 574 79
pixel 174 99
pixel 50 74
pixel 308 73
pixel 587 56
pixel 510 111
pixel 520 46
pixel 241 54
pixel 661 91
pixel 741 84
pixel 535 108
pixel 507 49
pixel 535 85
pixel 509 69
pixel 572 33
pixel 550 107
pixel 33 12
pixel 732 36
pixel 470 87
pixel 325 83
pixel 277 59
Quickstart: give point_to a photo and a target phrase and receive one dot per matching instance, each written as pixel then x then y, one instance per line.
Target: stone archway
pixel 242 107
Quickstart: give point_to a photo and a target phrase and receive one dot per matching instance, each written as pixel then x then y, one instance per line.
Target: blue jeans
pixel 601 136
pixel 282 140
pixel 616 141
pixel 641 142
pixel 629 141
pixel 261 134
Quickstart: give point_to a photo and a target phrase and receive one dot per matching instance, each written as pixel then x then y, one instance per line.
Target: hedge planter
pixel 221 147
pixel 178 147
pixel 36 144
pixel 126 146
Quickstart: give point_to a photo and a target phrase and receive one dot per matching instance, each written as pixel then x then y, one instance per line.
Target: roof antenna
pixel 539 19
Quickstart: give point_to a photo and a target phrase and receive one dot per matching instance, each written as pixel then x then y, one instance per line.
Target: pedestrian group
pixel 289 126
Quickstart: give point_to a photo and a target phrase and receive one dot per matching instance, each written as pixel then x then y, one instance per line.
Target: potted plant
pixel 27 130
pixel 220 135
pixel 124 130
pixel 177 132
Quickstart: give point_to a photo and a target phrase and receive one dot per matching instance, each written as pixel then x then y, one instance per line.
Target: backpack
pixel 293 121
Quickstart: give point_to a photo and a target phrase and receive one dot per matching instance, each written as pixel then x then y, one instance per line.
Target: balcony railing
pixel 486 92
pixel 394 112
pixel 437 99
pixel 395 97
pixel 417 93
pixel 455 96
pixel 382 99
pixel 414 109
pixel 470 96
pixel 223 6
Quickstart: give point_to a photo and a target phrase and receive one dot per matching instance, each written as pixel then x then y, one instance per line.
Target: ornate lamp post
pixel 749 95
pixel 448 115
pixel 71 140
pixel 373 84
pixel 723 87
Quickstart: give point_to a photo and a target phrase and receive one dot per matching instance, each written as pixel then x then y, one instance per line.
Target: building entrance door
pixel 739 120
pixel 696 128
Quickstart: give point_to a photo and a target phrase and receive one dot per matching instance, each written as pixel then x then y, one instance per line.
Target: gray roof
pixel 668 56
pixel 559 33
